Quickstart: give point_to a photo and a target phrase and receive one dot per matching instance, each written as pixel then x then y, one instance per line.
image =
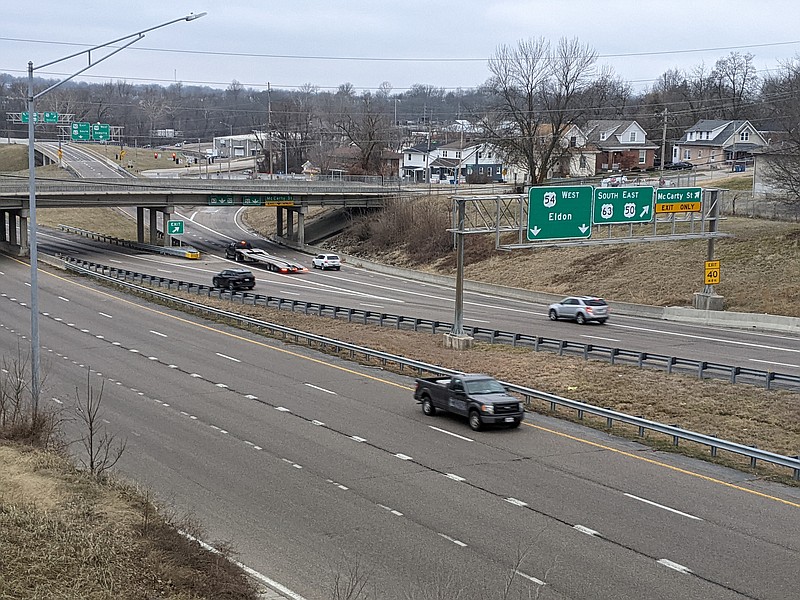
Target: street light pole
pixel 32 238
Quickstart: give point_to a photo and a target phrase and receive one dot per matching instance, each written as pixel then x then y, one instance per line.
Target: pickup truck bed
pixel 480 398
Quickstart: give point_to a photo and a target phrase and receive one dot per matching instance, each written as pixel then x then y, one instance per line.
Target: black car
pixel 235 279
pixel 230 251
pixel 679 166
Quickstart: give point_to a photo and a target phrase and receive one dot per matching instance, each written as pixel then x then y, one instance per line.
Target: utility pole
pixel 663 143
pixel 269 125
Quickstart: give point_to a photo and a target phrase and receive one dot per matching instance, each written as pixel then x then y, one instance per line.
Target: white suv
pixel 326 261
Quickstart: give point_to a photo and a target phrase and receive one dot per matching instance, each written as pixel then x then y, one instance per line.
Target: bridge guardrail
pixel 670 364
pixel 581 408
pixel 182 251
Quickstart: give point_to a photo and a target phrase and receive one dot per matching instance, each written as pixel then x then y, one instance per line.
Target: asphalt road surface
pixel 366 290
pixel 313 467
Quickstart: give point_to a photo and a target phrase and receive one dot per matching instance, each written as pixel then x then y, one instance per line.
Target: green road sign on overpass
pixel 26 119
pixel 175 227
pixel 220 200
pixel 622 205
pixel 51 117
pixel 80 132
pixel 556 213
pixel 252 200
pixel 101 132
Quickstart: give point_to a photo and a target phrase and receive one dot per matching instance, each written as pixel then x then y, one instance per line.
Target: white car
pixel 580 308
pixel 326 261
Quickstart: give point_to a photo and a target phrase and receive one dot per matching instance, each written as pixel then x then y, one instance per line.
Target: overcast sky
pixel 326 43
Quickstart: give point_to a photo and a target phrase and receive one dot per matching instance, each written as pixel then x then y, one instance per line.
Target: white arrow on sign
pixel 645 210
pixel 583 228
pixel 535 231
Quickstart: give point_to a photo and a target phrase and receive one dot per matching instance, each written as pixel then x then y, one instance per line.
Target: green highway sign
pixel 175 227
pixel 51 117
pixel 80 132
pixel 253 200
pixel 26 119
pixel 556 213
pixel 101 132
pixel 622 205
pixel 220 201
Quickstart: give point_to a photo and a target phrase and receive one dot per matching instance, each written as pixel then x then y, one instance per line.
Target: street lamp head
pixel 192 16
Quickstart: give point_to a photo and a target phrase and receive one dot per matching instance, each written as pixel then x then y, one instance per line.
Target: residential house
pixel 621 145
pixel 718 143
pixel 473 161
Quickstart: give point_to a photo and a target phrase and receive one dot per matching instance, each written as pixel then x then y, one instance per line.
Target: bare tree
pixel 781 94
pixel 103 450
pixel 735 82
pixel 533 91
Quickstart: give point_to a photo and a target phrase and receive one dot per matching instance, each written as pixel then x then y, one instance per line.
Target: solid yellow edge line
pixel 404 387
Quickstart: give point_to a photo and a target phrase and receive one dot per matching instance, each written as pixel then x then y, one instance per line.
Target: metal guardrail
pixel 182 251
pixel 676 433
pixel 670 364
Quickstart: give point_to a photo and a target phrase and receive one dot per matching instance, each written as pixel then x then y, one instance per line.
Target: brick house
pixel 621 145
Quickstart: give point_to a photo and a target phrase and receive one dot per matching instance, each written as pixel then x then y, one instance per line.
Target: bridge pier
pixel 14 232
pixel 140 224
pixel 290 232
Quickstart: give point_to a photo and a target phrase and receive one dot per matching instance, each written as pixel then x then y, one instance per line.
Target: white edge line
pixel 252 572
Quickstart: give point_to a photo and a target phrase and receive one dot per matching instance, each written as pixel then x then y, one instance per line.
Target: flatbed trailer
pixel 268 261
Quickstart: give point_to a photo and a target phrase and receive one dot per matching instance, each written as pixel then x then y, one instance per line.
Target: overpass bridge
pixel 290 198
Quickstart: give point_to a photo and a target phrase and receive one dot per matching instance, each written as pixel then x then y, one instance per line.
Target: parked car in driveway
pixel 326 261
pixel 679 166
pixel 234 279
pixel 581 309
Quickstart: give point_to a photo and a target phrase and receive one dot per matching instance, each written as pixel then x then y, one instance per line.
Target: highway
pixel 210 230
pixel 313 467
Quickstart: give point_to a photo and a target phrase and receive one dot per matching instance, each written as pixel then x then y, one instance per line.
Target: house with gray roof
pixel 621 145
pixel 719 144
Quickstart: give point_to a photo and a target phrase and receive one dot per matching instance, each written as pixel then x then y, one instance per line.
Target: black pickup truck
pixel 483 400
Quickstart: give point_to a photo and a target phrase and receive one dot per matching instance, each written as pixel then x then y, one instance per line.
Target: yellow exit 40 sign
pixel 712 272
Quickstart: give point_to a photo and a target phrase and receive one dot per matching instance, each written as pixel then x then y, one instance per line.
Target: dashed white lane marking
pixel 357 439
pixel 158 333
pixel 772 362
pixel 516 502
pixel 391 510
pixel 57 401
pixel 530 578
pixel 251 397
pixel 221 385
pixel 403 456
pixel 477 321
pixel 134 350
pixel 674 565
pixel 454 477
pixel 114 261
pixel 316 387
pixel 318 423
pixel 454 540
pixel 163 271
pixel 672 510
pixel 586 530
pixel 64 299
pixel 290 293
pixel 455 435
pixel 225 356
pixel 370 305
pixel 28 284
pixel 106 315
pixel 196 375
pixel 597 337
pixel 282 409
